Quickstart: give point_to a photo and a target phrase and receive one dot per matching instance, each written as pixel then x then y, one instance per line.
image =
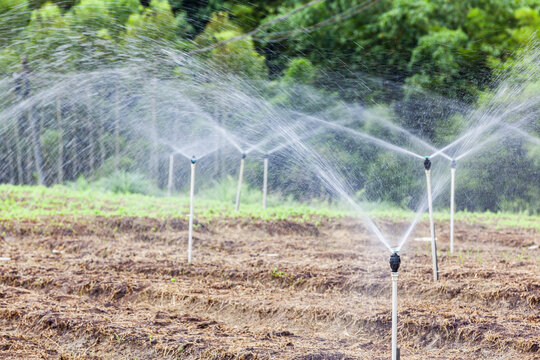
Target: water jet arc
pixel 427 166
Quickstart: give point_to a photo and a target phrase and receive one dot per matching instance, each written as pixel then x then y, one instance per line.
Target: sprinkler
pixel 427 163
pixel 395 261
pixel 171 169
pixel 240 176
pixel 427 166
pixel 265 180
pixel 191 192
pixel 452 196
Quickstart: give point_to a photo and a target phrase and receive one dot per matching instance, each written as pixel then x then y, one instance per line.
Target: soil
pixel 121 289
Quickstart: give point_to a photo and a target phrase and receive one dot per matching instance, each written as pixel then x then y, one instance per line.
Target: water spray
pixel 171 169
pixel 452 196
pixel 265 180
pixel 427 166
pixel 191 192
pixel 240 176
pixel 395 261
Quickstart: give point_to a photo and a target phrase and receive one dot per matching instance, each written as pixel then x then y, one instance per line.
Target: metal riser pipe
pixel 452 202
pixel 191 194
pixel 171 177
pixel 265 182
pixel 239 189
pixel 432 228
pixel 395 262
pixel 394 315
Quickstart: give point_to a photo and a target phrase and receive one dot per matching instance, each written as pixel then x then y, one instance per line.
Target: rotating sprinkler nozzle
pixel 244 155
pixel 427 163
pixel 395 261
pixel 193 160
pixel 453 164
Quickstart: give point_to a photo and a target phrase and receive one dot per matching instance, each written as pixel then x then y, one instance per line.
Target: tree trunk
pixel 116 130
pixel 101 138
pixel 19 154
pixel 91 136
pixel 36 144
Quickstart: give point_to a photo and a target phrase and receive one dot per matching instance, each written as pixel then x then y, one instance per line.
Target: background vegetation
pixel 389 54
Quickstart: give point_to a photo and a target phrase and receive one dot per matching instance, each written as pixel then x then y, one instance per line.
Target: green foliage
pixel 15 15
pixel 437 62
pixel 157 22
pixel 60 204
pixel 46 33
pixel 9 60
pixel 91 15
pixel 300 70
pixel 404 50
pixel 122 182
pixel 237 57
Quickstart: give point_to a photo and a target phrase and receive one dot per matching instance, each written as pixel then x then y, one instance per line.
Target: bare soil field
pixel 121 289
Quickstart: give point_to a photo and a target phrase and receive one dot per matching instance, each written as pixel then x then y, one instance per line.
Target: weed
pixel 119 338
pixel 278 274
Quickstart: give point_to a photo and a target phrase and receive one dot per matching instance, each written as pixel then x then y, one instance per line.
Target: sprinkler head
pixel 395 261
pixel 427 163
pixel 265 156
pixel 193 160
pixel 453 164
pixel 244 155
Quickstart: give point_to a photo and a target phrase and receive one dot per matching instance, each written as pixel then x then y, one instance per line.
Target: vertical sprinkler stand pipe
pixel 395 261
pixel 171 178
pixel 191 193
pixel 240 176
pixel 452 203
pixel 427 166
pixel 265 180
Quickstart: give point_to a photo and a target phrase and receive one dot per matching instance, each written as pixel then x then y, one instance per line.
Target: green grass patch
pixel 19 203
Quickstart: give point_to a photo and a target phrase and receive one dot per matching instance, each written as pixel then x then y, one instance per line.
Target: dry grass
pixel 121 289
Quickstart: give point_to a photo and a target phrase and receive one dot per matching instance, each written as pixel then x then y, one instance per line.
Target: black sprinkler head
pixel 265 156
pixel 243 155
pixel 453 164
pixel 395 261
pixel 427 163
pixel 193 160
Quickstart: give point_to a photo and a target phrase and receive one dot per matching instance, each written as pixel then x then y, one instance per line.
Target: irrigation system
pixel 191 195
pixel 240 177
pixel 171 175
pixel 452 202
pixel 265 180
pixel 395 261
pixel 195 127
pixel 427 166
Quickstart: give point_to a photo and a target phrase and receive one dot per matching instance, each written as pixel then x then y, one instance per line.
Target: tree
pixel 157 22
pixel 14 14
pixel 238 57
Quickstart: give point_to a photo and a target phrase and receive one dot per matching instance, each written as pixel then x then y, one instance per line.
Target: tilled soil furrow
pixel 262 291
